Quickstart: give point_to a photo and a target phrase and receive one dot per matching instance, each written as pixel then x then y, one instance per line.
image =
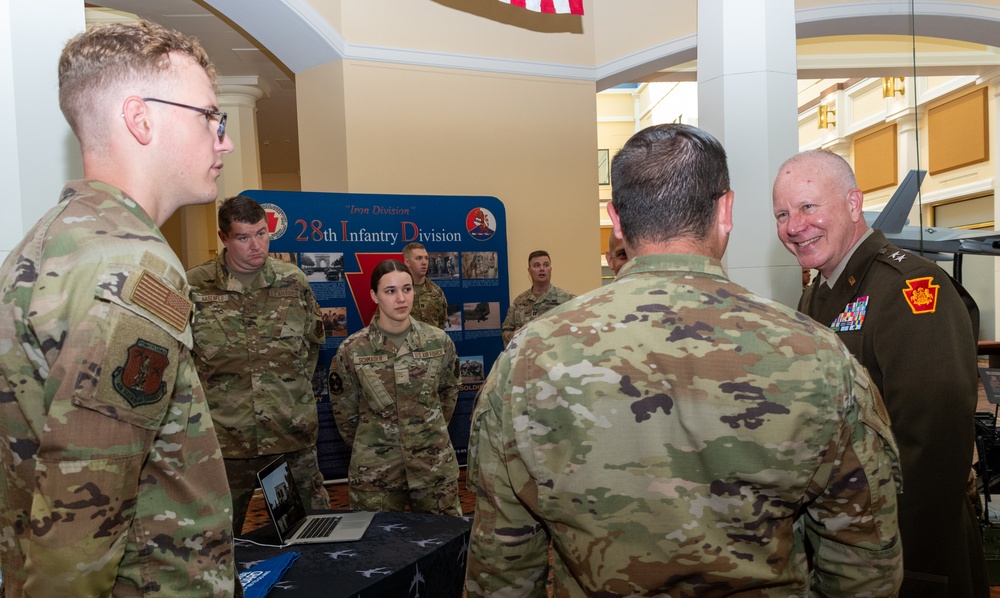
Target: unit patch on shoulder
pixel 140 380
pixel 921 294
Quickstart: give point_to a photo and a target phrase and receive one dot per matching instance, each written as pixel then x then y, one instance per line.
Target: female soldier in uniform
pixel 393 389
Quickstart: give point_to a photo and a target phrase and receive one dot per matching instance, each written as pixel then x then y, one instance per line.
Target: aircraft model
pixel 940 244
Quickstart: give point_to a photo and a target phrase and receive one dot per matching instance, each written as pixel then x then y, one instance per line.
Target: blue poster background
pixel 338 238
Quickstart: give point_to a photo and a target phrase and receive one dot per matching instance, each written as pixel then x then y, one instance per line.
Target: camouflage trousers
pixel 242 475
pixel 441 500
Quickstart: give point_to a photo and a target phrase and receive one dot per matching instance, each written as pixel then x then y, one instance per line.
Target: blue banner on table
pixel 338 238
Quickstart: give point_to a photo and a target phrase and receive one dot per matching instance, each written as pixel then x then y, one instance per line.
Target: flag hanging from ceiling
pixel 572 7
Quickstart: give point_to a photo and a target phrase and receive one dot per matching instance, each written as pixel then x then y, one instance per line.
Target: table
pixel 992 350
pixel 401 554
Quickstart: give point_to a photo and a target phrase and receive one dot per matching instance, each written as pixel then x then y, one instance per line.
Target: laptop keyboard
pixel 319 527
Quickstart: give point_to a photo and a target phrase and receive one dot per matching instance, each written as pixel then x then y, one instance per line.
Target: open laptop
pixel 288 512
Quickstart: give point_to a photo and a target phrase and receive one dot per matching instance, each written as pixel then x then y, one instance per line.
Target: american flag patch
pixel 154 295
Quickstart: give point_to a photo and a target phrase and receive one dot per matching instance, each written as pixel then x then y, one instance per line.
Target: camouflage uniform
pixel 429 304
pixel 527 306
pixel 112 483
pixel 392 408
pixel 256 350
pixel 674 434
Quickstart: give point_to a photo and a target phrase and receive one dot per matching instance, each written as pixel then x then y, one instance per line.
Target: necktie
pixel 822 294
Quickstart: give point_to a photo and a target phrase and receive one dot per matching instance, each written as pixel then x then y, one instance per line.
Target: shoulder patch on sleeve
pixel 140 379
pixel 154 295
pixel 921 294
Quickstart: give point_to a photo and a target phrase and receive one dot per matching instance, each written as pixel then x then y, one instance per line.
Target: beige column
pixel 38 152
pixel 907 123
pixel 242 167
pixel 240 172
pixel 747 99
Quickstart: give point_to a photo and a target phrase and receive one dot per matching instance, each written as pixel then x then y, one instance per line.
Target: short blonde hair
pixel 110 57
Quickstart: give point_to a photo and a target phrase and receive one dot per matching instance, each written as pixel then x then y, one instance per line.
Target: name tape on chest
pixel 209 298
pixel 363 359
pixel 153 295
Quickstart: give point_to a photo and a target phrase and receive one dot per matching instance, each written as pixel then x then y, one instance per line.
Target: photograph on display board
pixel 291 258
pixel 479 264
pixel 323 267
pixel 472 369
pixel 454 323
pixel 484 315
pixel 442 265
pixel 334 320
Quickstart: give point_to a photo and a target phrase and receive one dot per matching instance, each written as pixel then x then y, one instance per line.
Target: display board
pixel 338 238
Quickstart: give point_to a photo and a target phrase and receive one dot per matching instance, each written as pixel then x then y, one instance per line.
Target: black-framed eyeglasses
pixel 220 115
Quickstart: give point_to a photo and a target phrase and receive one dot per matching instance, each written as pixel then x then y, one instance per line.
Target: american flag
pixel 572 7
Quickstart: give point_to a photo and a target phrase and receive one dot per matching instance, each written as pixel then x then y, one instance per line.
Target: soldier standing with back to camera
pixel 674 434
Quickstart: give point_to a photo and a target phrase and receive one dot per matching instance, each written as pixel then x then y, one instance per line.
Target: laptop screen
pixel 282 497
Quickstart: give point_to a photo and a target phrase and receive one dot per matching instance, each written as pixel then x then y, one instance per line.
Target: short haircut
pixel 386 266
pixel 239 208
pixel 667 180
pixel 538 253
pixel 108 60
pixel 411 247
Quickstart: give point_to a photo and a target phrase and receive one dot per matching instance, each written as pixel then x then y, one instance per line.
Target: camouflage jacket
pixel 429 304
pixel 256 350
pixel 112 482
pixel 393 407
pixel 673 434
pixel 526 307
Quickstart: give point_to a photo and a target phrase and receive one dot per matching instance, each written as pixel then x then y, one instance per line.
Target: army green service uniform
pixel 429 304
pixel 112 482
pixel 907 322
pixel 673 434
pixel 527 306
pixel 256 349
pixel 392 404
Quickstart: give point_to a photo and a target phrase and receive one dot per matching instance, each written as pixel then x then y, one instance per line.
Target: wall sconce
pixel 827 117
pixel 890 87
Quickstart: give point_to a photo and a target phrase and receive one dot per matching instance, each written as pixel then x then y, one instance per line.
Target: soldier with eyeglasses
pixel 113 482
